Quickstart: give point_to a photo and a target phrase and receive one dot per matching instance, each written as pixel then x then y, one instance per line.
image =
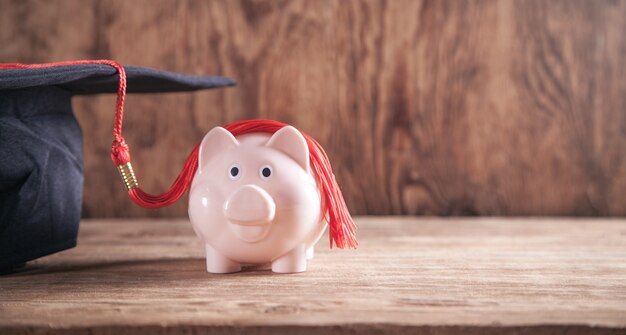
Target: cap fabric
pixel 41 149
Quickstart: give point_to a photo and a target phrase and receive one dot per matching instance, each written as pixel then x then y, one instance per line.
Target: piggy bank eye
pixel 234 172
pixel 265 172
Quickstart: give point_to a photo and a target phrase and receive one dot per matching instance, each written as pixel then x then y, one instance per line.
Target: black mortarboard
pixel 41 149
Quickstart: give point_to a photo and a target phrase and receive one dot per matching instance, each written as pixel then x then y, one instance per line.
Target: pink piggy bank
pixel 260 196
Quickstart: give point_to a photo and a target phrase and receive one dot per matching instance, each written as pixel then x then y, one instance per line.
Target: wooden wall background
pixel 425 107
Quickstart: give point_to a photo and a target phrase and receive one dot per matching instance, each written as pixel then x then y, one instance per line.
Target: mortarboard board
pixel 41 150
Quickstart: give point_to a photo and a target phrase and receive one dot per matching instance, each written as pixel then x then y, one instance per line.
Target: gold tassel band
pixel 128 176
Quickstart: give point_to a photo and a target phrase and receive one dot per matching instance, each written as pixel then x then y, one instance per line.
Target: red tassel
pixel 342 227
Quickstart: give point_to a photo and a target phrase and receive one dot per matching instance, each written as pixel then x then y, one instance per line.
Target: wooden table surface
pixel 410 275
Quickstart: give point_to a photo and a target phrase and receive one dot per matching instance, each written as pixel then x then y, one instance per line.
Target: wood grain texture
pixel 422 276
pixel 425 107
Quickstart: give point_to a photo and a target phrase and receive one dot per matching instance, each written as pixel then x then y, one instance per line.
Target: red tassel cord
pixel 342 227
pixel 120 153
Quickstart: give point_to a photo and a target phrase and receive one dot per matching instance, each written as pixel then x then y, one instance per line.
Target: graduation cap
pixel 41 148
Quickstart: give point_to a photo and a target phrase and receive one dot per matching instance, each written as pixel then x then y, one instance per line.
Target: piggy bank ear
pixel 216 140
pixel 291 142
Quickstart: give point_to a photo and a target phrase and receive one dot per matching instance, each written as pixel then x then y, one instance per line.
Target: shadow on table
pixel 162 267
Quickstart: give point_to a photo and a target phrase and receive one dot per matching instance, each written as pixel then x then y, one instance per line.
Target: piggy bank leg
pixel 293 261
pixel 310 252
pixel 217 263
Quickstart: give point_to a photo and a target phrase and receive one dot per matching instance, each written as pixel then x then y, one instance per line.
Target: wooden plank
pixel 428 275
pixel 443 107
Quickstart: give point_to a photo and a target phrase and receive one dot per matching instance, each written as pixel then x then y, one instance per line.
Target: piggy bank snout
pixel 250 205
